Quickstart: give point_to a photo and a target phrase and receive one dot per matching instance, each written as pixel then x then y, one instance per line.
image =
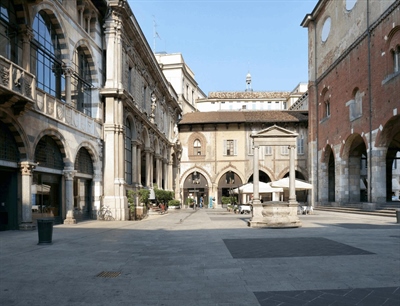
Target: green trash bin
pixel 45 230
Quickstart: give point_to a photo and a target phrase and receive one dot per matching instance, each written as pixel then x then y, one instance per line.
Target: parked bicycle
pixel 105 214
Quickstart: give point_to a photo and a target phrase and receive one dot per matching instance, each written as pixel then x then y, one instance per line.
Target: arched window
pixel 396 59
pixel 197 147
pixel 128 153
pixel 327 108
pixel 46 54
pixel 8 146
pixel 48 154
pixel 83 162
pixel 9 41
pixel 326 104
pixel 81 83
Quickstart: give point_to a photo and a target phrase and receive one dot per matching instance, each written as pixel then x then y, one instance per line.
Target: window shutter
pixel 235 147
pixel 224 147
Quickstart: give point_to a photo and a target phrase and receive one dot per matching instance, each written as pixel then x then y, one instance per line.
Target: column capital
pixel 27 167
pixel 27 33
pixel 69 174
pixel 67 70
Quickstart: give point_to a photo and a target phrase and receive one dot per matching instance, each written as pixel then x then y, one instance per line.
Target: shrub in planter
pixel 174 203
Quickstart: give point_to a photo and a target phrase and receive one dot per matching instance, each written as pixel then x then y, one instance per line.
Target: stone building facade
pixel 353 100
pixel 217 154
pixel 141 112
pixel 182 79
pixel 85 112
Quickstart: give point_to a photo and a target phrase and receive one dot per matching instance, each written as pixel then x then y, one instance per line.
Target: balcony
pixel 17 87
pixel 66 114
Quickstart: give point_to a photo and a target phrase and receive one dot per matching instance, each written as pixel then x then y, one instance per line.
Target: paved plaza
pixel 205 257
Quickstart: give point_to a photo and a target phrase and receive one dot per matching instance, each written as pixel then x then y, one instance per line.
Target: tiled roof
pixel 229 95
pixel 243 117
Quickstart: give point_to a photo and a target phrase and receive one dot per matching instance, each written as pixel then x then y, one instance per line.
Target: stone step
pixel 354 210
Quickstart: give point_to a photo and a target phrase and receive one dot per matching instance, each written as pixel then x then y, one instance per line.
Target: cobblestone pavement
pixel 205 257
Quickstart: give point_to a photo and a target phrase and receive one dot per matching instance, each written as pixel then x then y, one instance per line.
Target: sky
pixel 223 40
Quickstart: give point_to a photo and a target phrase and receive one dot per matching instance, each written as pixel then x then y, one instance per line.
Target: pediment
pixel 274 131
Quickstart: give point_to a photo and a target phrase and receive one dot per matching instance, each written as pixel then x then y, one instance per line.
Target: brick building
pixel 354 100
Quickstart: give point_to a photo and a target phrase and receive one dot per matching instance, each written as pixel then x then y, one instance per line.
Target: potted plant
pixel 174 204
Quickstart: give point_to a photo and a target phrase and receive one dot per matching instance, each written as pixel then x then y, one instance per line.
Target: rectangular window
pixel 284 150
pixel 130 71
pixel 300 144
pixel 268 150
pixel 230 147
pixel 144 96
pixel 250 149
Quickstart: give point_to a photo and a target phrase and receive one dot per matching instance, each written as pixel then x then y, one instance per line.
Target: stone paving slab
pixel 289 247
pixel 182 258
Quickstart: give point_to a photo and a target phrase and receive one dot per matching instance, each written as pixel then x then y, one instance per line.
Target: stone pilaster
pixel 378 180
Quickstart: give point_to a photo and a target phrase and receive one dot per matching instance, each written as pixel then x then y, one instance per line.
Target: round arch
pixel 146 137
pixel 354 151
pixel 264 176
pixel 60 141
pixel 389 139
pixel 328 173
pixel 55 20
pixel 84 45
pixel 195 184
pixel 192 139
pixel 25 151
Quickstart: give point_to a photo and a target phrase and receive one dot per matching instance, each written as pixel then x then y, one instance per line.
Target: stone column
pixel 134 162
pixel 292 175
pixel 159 171
pixel 97 191
pixel 81 9
pixel 27 35
pixel 257 206
pixel 148 167
pixel 169 176
pixel 69 196
pixel 67 73
pixel 26 171
pixel 165 175
pixel 139 165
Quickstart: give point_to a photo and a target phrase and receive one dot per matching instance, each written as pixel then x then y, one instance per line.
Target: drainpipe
pixel 370 106
pixel 316 103
pixel 315 170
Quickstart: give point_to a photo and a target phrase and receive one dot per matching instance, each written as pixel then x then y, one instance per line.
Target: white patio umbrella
pixel 298 184
pixel 263 188
pixel 395 185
